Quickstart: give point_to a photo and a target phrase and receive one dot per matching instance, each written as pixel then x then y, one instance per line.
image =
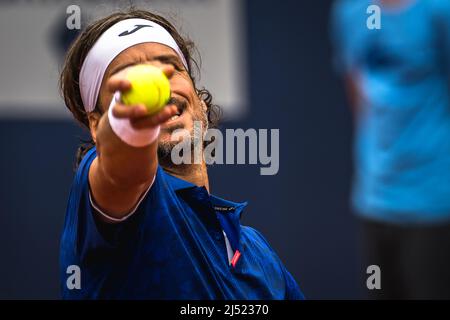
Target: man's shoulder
pixel 255 238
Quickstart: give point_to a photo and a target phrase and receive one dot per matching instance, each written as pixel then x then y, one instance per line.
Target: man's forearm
pixel 121 173
pixel 124 164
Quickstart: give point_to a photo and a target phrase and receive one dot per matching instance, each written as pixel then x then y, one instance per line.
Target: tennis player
pixel 137 226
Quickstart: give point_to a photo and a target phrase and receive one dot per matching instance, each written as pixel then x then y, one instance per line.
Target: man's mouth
pixel 176 116
pixel 181 107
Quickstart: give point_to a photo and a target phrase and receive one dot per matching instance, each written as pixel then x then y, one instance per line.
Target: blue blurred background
pixel 303 210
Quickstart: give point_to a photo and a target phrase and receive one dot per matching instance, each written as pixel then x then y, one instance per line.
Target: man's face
pixel 183 93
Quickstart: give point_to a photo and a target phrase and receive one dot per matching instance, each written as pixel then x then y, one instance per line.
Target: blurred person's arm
pixel 121 173
pixel 342 56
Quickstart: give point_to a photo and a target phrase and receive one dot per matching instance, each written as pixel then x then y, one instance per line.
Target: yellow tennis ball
pixel 149 86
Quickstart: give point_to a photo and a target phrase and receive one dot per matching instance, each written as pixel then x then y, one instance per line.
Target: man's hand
pixel 138 114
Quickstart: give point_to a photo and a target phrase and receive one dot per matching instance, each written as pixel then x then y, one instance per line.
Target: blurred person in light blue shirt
pixel 398 85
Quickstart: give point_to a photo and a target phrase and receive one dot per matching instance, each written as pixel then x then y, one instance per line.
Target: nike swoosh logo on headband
pixel 136 28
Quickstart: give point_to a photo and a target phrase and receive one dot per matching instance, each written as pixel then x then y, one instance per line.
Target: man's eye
pixel 177 66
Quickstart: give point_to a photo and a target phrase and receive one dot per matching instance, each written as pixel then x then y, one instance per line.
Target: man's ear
pixel 205 120
pixel 94 118
pixel 204 107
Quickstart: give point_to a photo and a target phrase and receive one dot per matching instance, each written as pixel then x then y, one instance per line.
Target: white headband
pixel 113 41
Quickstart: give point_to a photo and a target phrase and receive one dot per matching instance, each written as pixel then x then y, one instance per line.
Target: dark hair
pixel 69 78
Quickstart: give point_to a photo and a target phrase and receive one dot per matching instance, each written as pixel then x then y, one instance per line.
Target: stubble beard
pixel 165 147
